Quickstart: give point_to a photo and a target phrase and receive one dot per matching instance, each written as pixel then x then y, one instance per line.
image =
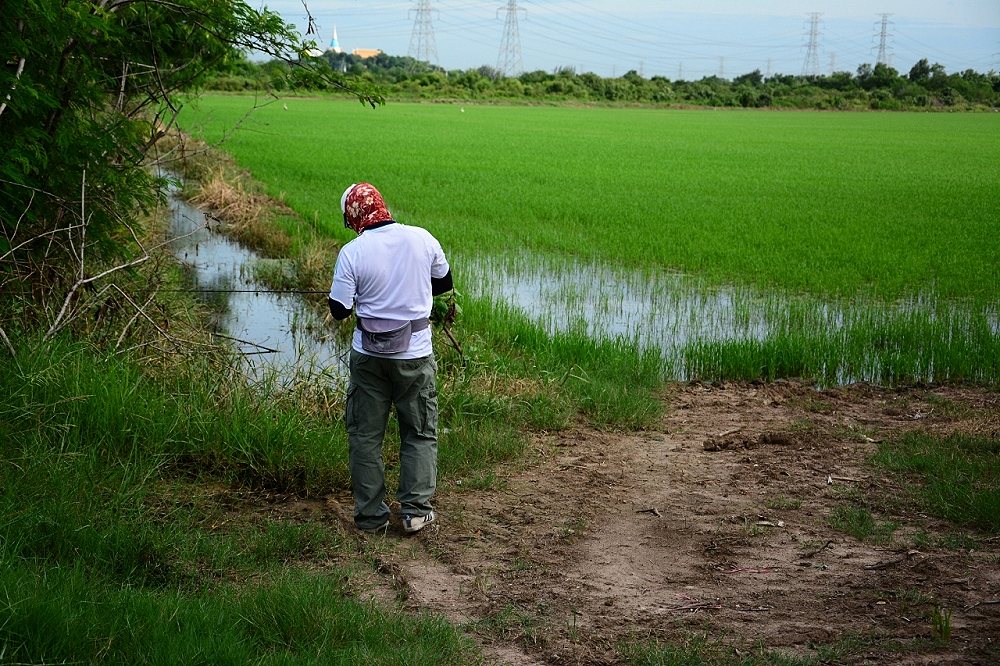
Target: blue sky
pixel 680 39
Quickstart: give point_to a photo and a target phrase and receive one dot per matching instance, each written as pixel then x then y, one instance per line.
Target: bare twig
pixel 653 510
pixel 139 311
pixel 707 605
pixel 263 349
pixel 6 342
pixel 121 89
pixel 889 563
pixel 17 73
pixel 817 551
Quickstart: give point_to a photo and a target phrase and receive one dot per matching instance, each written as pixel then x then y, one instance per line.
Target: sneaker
pixel 417 523
pixel 380 529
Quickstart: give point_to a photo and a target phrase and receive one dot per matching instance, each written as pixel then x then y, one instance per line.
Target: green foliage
pixel 88 88
pixel 406 77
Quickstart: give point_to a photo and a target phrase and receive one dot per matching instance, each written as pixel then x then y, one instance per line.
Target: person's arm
pixel 341 296
pixel 441 285
pixel 338 310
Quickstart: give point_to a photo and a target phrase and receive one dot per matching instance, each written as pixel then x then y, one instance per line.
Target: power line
pixel 509 60
pixel 422 46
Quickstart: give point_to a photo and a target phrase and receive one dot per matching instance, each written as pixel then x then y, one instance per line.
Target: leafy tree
pixel 920 72
pixel 87 88
pixel 754 79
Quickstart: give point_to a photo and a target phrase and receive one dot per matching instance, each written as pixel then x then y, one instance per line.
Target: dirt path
pixel 714 524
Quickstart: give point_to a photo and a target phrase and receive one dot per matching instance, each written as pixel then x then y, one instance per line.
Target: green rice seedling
pixel 862 251
pixel 825 203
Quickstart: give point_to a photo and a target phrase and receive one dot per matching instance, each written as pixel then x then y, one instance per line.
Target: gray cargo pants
pixel 376 384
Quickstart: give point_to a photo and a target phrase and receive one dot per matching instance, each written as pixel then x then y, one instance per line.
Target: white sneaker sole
pixel 424 522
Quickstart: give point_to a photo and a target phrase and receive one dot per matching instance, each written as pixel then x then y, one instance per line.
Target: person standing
pixel 389 276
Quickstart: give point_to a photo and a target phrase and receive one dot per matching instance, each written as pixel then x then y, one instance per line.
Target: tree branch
pixel 20 69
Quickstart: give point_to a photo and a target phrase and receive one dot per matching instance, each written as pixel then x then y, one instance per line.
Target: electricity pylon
pixel 422 38
pixel 883 54
pixel 810 66
pixel 509 61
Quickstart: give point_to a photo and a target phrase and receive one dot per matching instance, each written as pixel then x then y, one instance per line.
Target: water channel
pixel 276 334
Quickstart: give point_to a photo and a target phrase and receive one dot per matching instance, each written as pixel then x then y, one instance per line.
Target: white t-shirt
pixel 385 273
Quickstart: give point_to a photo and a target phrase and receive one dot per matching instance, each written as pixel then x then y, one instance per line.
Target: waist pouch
pixel 388 336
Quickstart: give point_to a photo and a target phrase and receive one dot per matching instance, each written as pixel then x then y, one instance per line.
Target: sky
pixel 681 39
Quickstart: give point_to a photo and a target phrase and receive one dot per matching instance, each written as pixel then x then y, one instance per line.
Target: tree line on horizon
pixel 879 87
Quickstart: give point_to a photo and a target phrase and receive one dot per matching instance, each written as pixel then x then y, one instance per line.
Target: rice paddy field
pixel 731 244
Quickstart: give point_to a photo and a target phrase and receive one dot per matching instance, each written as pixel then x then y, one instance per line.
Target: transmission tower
pixel 883 37
pixel 509 61
pixel 422 38
pixel 810 67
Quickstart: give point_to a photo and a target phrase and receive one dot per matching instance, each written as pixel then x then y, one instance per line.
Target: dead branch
pixel 7 343
pixel 60 319
pixel 708 605
pixel 262 348
pixel 17 74
pixel 121 89
pixel 139 311
pixel 889 563
pixel 817 551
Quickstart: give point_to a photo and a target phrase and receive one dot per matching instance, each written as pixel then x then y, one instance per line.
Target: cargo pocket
pixel 350 410
pixel 429 412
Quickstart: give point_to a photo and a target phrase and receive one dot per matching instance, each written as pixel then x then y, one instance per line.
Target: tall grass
pixel 64 615
pixel 113 549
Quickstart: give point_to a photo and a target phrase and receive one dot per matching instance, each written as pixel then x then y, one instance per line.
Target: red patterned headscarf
pixel 363 206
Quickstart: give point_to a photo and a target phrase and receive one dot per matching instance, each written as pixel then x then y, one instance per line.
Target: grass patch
pixel 700 650
pixel 859 522
pixel 512 623
pixel 782 502
pixel 957 476
pixel 64 615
